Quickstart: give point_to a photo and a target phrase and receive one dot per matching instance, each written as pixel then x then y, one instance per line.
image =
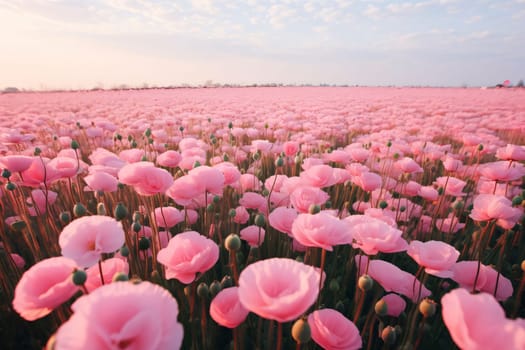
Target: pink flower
pixel 302 197
pixel 502 171
pixel 368 181
pixel 372 235
pixel 392 278
pixel 145 178
pixel 187 254
pixel 169 159
pixel 511 152
pixel 230 172
pixel 132 155
pixel 254 235
pixel 40 200
pixel 16 163
pixel 450 224
pixel 320 230
pixel 39 172
pixel 408 165
pixel 493 207
pixel 184 190
pixel 478 322
pixel 101 181
pixel 226 308
pixel 43 287
pixel 123 315
pixel 252 200
pixel 282 218
pixel 211 179
pixel 331 330
pixel 241 215
pixel 278 289
pixel 86 238
pixel 65 166
pixel 435 256
pixel 451 164
pixel 464 273
pixel 395 304
pixel 109 268
pixel 167 216
pixel 319 176
pixel 290 148
pixel 452 186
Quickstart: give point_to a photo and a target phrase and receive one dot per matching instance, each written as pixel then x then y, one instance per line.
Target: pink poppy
pixel 241 215
pixel 230 172
pixel 331 330
pixel 109 268
pixel 502 171
pixel 254 235
pixel 132 155
pixel 65 166
pixel 368 181
pixel 226 308
pixel 278 289
pixel 39 172
pixel 43 287
pixel 187 254
pixel 372 235
pixel 40 200
pixel 392 278
pixel 184 190
pixel 435 256
pixel 477 321
pixel 145 178
pixel 290 148
pixel 248 182
pixel 493 207
pixel 452 186
pixel 211 179
pixel 395 304
pixel 167 216
pixel 450 224
pixel 464 273
pixel 16 163
pixel 101 181
pixel 408 165
pixel 511 152
pixel 319 176
pixel 428 192
pixel 169 159
pixel 451 164
pixel 304 196
pixel 102 156
pixel 123 315
pixel 86 238
pixel 282 218
pixel 252 200
pixel 320 230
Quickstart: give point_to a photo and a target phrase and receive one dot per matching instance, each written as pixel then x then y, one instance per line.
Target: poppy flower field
pixel 263 218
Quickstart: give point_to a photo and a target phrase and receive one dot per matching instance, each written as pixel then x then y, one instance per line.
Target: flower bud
pixel 365 283
pixel 6 173
pixel 79 277
pixel 388 335
pixel 203 291
pixel 381 307
pixel 215 288
pixel 260 220
pixel 301 331
pixel 144 243
pixel 101 209
pixel 10 186
pixel 383 204
pixel 124 251
pixel 65 217
pixel 427 307
pixel 74 144
pixel 226 282
pixel 79 210
pixel 314 209
pixel 232 242
pixel 120 277
pixel 136 227
pixel 120 212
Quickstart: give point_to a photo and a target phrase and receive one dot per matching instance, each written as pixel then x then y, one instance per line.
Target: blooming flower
pixel 331 330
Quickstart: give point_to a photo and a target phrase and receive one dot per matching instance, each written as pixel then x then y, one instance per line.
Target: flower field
pixel 263 218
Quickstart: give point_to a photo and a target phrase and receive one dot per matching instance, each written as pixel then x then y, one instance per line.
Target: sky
pixel 81 44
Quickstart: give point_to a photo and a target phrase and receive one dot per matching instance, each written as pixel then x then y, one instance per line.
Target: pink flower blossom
pixel 241 215
pixel 502 171
pixel 304 196
pixel 109 268
pixel 210 178
pixel 184 190
pixel 372 235
pixel 86 238
pixel 278 289
pixel 331 330
pixel 511 152
pixel 368 181
pixel 101 181
pixel 43 287
pixel 408 165
pixel 169 159
pixel 320 230
pixel 123 315
pixel 16 163
pixel 282 218
pixel 478 322
pixel 319 176
pixel 187 254
pixel 226 308
pixel 395 304
pixel 145 178
pixel 464 273
pixel 452 186
pixel 435 256
pixel 493 207
pixel 254 235
pixel 167 216
pixel 290 148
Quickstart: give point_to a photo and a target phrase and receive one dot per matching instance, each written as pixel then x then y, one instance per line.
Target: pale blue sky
pixel 81 44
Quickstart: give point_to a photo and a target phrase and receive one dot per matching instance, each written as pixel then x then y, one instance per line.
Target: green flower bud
pixel 120 277
pixel 79 210
pixel 260 220
pixel 74 144
pixel 388 335
pixel 147 133
pixel 226 282
pixel 65 217
pixel 279 162
pixel 203 291
pixel 10 186
pixel 232 213
pixel 427 307
pixel 79 277
pixel 301 331
pixel 314 209
pixel 120 212
pixel 232 242
pixel 101 209
pixel 381 308
pixel 144 243
pixel 18 225
pixel 6 173
pixel 517 201
pixel 383 204
pixel 365 283
pixel 124 251
pixel 215 288
pixel 136 227
pixel 37 151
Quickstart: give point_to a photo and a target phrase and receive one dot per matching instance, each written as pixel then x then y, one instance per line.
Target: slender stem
pixel 100 272
pixel 279 335
pixel 323 258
